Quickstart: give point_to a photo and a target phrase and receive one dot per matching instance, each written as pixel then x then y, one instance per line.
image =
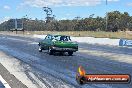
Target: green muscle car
pixel 58 43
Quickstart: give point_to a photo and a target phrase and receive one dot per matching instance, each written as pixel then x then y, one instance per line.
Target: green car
pixel 58 43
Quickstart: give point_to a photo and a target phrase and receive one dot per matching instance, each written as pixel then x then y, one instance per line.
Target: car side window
pixel 69 38
pixel 48 37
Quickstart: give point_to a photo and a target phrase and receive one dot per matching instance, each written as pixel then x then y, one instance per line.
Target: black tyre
pixel 70 53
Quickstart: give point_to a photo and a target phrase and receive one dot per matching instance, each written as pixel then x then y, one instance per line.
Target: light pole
pixel 106 16
pixel 23 26
pixel 16 25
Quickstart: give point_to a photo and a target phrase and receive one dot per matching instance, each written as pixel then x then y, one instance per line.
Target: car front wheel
pixel 50 51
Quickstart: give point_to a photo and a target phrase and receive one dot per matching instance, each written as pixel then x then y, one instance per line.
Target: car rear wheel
pixel 70 53
pixel 40 49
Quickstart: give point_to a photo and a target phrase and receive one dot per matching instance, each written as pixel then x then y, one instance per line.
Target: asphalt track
pixel 1 85
pixel 58 71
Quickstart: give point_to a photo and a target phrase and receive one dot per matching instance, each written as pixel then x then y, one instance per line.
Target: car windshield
pixel 62 38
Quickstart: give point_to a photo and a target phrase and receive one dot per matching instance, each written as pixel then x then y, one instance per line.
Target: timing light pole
pixel 15 24
pixel 106 16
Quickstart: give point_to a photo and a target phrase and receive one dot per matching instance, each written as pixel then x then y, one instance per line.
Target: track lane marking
pixel 6 85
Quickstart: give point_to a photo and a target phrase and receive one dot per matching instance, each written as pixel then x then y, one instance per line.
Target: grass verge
pixel 100 34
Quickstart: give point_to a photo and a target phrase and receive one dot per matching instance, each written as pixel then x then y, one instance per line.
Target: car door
pixel 46 42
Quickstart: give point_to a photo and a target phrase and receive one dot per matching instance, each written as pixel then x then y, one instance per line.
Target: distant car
pixel 58 43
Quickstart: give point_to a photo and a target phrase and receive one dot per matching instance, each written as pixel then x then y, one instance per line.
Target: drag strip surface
pixel 11 81
pixel 59 71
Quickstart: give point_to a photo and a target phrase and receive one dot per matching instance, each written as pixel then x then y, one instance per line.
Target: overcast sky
pixel 63 9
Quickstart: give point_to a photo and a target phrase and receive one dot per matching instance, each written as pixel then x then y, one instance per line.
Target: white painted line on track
pixel 4 82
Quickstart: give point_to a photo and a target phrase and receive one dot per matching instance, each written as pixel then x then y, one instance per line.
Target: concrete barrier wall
pixel 90 40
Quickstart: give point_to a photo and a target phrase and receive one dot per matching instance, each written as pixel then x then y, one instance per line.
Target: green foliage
pixel 116 21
